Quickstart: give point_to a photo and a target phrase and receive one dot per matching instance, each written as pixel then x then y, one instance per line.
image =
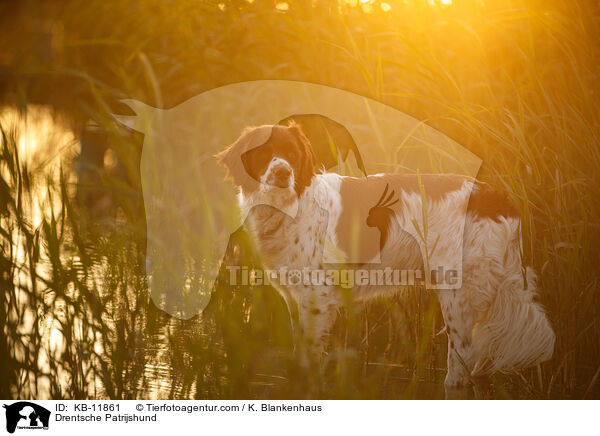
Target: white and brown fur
pixel 492 322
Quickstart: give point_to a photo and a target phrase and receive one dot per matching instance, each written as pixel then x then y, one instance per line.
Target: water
pixel 78 321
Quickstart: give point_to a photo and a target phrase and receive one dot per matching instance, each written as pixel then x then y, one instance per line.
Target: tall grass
pixel 514 81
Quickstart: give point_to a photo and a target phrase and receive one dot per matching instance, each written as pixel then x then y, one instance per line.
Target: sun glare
pixel 369 6
pixel 43 141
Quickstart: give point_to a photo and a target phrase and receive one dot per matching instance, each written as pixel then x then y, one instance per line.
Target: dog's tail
pixel 514 331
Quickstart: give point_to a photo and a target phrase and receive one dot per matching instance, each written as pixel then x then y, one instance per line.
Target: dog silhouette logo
pixel 26 415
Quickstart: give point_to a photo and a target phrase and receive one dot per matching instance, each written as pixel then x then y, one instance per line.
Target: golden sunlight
pixel 43 142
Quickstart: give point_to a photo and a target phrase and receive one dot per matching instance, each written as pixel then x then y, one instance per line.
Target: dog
pixel 492 320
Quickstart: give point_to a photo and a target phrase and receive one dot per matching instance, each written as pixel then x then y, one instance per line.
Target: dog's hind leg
pixel 459 326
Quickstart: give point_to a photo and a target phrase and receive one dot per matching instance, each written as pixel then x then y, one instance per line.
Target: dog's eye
pixel 290 153
pixel 264 156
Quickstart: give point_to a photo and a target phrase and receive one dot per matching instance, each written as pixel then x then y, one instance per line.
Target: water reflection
pixel 79 323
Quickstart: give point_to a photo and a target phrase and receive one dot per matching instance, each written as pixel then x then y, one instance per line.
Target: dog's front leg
pixel 317 309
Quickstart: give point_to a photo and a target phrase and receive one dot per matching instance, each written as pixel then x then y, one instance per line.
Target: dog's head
pixel 276 156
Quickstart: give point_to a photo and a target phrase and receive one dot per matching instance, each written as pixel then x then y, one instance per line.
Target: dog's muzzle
pixel 279 173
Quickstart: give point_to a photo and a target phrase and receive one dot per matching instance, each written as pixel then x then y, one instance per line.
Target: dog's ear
pixel 308 162
pixel 231 158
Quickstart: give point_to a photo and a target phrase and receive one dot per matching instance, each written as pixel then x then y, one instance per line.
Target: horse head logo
pixel 191 210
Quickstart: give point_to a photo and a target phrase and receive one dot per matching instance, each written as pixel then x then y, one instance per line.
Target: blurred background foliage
pixel 514 81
